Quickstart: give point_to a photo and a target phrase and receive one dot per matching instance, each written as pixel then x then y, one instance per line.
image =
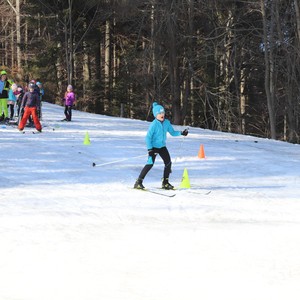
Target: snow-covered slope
pixel 71 231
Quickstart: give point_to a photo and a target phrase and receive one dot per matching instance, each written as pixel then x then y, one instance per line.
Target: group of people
pixel 28 101
pixel 29 105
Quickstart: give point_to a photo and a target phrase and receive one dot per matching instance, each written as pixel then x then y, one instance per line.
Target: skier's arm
pixel 24 100
pixel 172 131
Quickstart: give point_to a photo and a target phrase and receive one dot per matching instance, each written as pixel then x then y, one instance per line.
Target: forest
pixel 225 65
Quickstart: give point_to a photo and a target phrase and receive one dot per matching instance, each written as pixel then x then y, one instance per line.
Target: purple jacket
pixel 69 99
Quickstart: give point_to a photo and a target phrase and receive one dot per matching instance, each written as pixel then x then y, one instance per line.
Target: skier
pixel 156 144
pixel 12 99
pixel 5 85
pixel 30 104
pixel 41 89
pixel 41 92
pixel 19 95
pixel 69 100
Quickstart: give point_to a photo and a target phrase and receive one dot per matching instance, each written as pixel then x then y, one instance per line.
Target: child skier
pixel 30 104
pixel 41 92
pixel 12 99
pixel 156 144
pixel 19 95
pixel 69 100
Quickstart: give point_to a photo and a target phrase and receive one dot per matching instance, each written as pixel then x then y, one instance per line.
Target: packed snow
pixel 71 231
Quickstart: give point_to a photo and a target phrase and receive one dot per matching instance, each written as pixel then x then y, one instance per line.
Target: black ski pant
pixel 68 112
pixel 164 154
pixel 12 110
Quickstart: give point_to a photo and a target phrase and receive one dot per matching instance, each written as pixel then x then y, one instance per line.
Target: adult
pixel 5 86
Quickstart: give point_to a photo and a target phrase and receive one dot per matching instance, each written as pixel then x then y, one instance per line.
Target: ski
pixel 13 122
pixel 157 192
pixel 33 132
pixel 162 192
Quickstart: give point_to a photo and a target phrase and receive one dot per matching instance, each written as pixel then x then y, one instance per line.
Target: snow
pixel 71 231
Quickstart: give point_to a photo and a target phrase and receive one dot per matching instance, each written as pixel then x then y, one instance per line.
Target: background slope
pixel 72 231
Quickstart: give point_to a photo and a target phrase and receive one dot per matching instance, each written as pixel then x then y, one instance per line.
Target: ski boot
pixel 139 184
pixel 166 185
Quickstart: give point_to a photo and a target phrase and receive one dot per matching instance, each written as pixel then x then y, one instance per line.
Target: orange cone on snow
pixel 201 153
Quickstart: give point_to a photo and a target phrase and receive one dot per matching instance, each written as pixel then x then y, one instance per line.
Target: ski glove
pixel 151 152
pixel 184 132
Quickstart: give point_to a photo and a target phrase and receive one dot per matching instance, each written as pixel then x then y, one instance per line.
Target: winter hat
pixel 157 109
pixel 31 85
pixel 69 87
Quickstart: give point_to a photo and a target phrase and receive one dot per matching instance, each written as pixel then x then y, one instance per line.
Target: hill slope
pixel 73 231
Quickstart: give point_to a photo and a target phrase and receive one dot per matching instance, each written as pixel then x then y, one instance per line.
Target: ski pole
pixel 180 147
pixel 116 161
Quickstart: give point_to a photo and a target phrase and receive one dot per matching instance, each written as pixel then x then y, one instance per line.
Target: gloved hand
pixel 184 132
pixel 151 152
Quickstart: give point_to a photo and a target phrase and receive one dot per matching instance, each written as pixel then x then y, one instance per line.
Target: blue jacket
pixel 157 133
pixel 11 96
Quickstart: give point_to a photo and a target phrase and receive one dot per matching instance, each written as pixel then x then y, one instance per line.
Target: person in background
pixel 19 95
pixel 156 144
pixel 41 93
pixel 30 104
pixel 41 89
pixel 5 85
pixel 12 99
pixel 69 100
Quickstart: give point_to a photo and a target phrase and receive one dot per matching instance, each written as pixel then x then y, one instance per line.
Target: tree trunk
pixel 18 29
pixel 269 67
pixel 107 67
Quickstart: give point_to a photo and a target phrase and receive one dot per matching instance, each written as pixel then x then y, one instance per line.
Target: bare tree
pixel 268 44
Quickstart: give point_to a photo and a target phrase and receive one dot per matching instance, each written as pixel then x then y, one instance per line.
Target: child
pixel 30 103
pixel 69 102
pixel 19 95
pixel 41 92
pixel 156 144
pixel 12 99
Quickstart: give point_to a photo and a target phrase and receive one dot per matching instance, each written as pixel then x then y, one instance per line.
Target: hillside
pixel 71 231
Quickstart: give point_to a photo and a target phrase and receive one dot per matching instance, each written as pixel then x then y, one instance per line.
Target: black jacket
pixel 6 88
pixel 31 99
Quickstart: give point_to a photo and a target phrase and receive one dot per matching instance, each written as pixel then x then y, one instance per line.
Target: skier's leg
pixel 36 120
pixel 24 118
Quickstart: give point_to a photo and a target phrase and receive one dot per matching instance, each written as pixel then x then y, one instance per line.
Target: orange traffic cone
pixel 201 153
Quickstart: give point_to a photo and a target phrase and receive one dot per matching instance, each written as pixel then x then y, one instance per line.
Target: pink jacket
pixel 69 98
